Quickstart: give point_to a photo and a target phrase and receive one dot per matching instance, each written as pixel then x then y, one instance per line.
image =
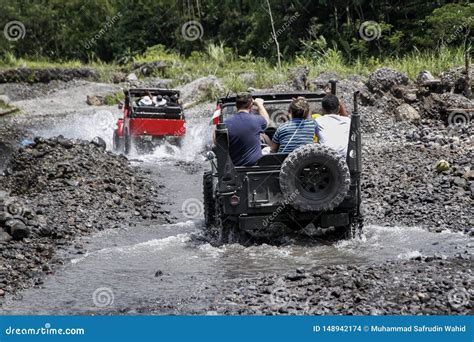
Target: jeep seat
pixel 272 159
pixel 152 112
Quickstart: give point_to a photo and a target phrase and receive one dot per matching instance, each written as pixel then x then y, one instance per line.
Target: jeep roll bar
pixel 269 97
pixel 353 159
pixel 152 91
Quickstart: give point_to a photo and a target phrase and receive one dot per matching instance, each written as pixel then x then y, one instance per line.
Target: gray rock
pixel 5 99
pixel 424 76
pixel 195 90
pixel 99 142
pixel 132 77
pixel 17 229
pixel 95 100
pixel 4 236
pixel 405 112
pixel 383 79
pixel 119 77
pixel 298 78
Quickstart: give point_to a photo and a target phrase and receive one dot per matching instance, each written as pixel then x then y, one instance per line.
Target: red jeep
pixel 149 116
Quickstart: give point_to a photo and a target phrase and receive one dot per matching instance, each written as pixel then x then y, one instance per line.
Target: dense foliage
pixel 117 30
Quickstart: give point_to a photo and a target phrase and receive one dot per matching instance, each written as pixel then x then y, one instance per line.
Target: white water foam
pixel 99 124
pixel 198 134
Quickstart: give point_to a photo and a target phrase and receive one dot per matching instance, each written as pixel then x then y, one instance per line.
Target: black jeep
pixel 283 193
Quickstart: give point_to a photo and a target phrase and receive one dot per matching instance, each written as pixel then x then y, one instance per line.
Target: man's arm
pixel 261 110
pixel 342 109
pixel 276 141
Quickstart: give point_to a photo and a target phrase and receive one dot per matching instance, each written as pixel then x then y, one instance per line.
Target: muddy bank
pixel 58 189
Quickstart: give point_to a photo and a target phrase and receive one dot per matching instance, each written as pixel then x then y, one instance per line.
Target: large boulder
pixel 298 77
pixel 198 88
pixel 17 229
pixel 95 100
pixel 132 77
pixel 405 112
pixel 149 68
pixel 424 76
pixel 383 79
pixel 455 78
pixel 119 77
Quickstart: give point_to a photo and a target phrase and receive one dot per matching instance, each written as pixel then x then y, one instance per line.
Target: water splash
pixel 99 124
pixel 198 135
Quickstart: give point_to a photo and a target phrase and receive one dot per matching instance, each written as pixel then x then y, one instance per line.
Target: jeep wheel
pixel 314 178
pixel 229 231
pixel 116 141
pixel 209 201
pixel 127 146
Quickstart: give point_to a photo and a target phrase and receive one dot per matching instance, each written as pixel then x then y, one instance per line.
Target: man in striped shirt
pixel 297 131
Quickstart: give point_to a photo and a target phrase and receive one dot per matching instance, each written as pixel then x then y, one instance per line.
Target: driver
pixel 245 129
pixel 297 131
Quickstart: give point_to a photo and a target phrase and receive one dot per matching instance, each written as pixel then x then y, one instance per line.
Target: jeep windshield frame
pixel 276 104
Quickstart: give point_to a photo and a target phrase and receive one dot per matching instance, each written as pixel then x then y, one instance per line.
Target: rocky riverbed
pixel 58 189
pixel 391 288
pixel 54 190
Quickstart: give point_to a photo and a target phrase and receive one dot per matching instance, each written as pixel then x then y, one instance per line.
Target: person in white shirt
pixel 332 128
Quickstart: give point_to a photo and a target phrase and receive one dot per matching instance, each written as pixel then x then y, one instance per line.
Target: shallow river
pixel 138 266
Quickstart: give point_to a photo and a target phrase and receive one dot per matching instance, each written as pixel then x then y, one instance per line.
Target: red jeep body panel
pixel 120 127
pixel 156 127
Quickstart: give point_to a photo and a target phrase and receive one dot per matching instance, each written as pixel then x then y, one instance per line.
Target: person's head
pixel 299 108
pixel 243 101
pixel 330 104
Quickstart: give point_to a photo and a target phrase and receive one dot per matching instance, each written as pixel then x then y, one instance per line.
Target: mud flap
pixel 263 226
pixel 334 220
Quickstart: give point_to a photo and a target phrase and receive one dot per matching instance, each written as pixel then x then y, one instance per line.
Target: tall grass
pixel 238 73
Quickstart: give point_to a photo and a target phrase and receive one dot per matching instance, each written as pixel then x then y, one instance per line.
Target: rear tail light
pixel 235 200
pixel 216 114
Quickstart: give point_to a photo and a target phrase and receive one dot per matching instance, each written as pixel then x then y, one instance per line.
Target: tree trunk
pixel 467 85
pixel 275 38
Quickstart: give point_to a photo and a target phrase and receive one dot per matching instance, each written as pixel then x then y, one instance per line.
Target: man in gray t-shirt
pixel 332 128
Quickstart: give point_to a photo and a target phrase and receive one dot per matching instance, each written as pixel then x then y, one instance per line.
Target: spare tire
pixel 314 178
